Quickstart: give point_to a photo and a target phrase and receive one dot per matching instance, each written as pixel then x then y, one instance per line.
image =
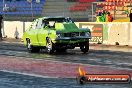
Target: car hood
pixel 69 27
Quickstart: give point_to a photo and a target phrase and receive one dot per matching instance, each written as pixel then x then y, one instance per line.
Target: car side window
pixel 34 25
pixel 39 24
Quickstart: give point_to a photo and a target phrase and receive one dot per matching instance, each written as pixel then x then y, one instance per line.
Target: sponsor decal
pixel 96 31
pixel 84 77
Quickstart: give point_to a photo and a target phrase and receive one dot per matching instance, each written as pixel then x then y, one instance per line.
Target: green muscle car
pixel 56 34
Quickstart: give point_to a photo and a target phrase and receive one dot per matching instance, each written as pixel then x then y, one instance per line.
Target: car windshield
pixel 50 22
pixel 59 19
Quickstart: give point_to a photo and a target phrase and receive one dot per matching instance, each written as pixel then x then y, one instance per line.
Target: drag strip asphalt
pixel 53 68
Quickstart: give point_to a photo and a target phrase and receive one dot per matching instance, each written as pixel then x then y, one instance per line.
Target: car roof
pixel 56 17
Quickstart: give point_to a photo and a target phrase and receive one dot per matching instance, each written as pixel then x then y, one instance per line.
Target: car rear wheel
pixel 84 47
pixel 31 48
pixel 49 46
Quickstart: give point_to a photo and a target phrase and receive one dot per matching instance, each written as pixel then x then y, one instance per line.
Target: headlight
pixel 58 34
pixel 88 34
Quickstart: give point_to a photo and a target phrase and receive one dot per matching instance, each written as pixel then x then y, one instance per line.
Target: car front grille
pixel 74 34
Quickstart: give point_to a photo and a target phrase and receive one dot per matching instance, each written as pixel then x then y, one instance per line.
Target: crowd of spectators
pixel 12 0
pixel 104 17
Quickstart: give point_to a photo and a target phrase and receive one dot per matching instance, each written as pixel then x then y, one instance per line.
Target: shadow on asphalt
pixel 78 52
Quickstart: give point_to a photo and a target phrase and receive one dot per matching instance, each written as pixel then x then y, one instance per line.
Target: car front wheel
pixel 49 46
pixel 84 47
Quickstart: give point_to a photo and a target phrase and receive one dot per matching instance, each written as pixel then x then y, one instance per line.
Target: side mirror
pixel 31 26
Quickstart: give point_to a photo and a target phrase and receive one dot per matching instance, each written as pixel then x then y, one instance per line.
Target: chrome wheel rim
pixel 28 45
pixel 49 46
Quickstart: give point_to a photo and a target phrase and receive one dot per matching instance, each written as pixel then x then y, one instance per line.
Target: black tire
pixel 84 46
pixel 31 48
pixel 50 46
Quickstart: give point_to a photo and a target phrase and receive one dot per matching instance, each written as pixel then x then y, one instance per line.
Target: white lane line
pixel 33 75
pixel 27 74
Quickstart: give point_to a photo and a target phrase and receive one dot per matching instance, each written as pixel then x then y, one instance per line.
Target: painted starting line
pixel 52 69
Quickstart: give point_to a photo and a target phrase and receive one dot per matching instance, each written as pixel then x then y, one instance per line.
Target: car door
pixel 33 33
pixel 42 33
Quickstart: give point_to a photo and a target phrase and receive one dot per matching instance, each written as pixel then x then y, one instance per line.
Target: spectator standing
pixel 106 18
pixel 130 15
pixel 127 12
pixel 1 20
pixel 98 17
pixel 109 17
pixel 103 16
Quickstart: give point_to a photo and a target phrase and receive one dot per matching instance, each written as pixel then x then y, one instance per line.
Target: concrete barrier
pixel 15 28
pixel 113 32
pixel 96 30
pixel 118 33
pixel 130 41
pixel 110 33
